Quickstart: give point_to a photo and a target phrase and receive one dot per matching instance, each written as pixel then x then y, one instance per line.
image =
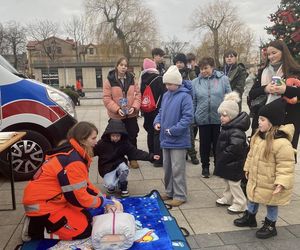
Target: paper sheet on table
pixel 6 135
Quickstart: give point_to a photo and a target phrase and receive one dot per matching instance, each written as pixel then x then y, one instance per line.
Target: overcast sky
pixel 173 16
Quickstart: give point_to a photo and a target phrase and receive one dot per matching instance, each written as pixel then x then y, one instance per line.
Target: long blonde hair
pixel 80 132
pixel 269 137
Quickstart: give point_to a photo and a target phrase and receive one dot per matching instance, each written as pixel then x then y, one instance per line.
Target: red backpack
pixel 148 102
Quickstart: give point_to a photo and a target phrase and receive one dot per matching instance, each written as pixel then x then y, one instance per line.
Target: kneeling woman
pixel 57 199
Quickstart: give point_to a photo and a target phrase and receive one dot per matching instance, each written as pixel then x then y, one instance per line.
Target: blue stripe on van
pixel 24 89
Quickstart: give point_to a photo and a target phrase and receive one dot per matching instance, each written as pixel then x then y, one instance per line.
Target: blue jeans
pixel 272 211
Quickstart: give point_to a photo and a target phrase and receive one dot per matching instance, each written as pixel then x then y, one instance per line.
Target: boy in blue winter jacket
pixel 173 120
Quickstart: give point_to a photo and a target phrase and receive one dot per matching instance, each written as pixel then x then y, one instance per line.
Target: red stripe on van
pixel 59 111
pixel 29 107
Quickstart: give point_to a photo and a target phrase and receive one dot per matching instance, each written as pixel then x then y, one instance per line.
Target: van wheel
pixel 28 155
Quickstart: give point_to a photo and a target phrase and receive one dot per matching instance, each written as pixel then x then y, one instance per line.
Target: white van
pixel 45 113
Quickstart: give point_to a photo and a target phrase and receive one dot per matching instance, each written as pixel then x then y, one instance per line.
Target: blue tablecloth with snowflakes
pixel 156 228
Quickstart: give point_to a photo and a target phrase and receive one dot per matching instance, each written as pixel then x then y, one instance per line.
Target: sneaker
pixel 233 210
pixel 222 202
pixel 123 186
pixel 205 172
pixel 134 164
pixel 110 191
pixel 25 236
pixel 124 193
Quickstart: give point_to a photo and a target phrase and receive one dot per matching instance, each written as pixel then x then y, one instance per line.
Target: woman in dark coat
pixel 256 91
pixel 236 72
pixel 279 63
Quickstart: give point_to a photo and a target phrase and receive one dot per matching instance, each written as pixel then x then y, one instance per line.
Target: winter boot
pixel 267 230
pixel 205 172
pixel 174 202
pixel 248 220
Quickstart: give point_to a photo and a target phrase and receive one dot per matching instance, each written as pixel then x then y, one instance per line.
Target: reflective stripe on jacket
pixel 63 179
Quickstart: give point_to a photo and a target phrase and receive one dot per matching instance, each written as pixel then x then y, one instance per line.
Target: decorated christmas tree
pixel 287 25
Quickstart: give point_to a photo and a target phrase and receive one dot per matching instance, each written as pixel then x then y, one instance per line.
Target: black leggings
pixel 208 136
pixel 132 128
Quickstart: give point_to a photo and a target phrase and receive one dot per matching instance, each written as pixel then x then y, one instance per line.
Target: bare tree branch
pixel 77 29
pixel 130 21
pixel 41 30
pixel 235 35
pixel 3 42
pixel 212 17
pixel 174 46
pixel 15 37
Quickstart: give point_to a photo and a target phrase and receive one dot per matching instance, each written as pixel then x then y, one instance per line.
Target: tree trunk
pixel 125 48
pixel 122 39
pixel 77 52
pixel 216 48
pixel 15 57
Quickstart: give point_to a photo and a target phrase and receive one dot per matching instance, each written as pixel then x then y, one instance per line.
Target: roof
pixel 32 44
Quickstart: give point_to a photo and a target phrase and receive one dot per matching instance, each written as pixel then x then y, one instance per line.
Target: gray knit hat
pixel 230 105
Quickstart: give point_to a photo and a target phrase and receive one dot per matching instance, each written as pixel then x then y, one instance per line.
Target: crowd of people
pixel 188 97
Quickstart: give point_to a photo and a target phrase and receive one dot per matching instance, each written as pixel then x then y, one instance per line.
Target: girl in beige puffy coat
pixel 269 168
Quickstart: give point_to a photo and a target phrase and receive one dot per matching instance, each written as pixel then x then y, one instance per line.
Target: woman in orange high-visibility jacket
pixel 57 199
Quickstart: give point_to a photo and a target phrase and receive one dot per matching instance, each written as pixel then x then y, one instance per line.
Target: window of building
pixel 48 49
pixel 91 51
pixel 78 72
pixel 58 50
pixel 99 83
pixel 50 76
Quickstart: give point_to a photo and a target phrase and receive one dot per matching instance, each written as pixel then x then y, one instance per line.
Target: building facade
pixel 60 63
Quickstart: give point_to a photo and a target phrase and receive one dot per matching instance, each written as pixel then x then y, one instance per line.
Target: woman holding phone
pixel 280 63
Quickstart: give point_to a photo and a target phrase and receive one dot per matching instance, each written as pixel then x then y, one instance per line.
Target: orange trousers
pixel 76 226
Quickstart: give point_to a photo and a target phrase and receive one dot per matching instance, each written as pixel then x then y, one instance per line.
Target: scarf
pixel 266 78
pixel 269 72
pixel 228 68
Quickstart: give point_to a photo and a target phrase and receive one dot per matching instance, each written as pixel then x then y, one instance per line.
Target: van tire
pixel 37 144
